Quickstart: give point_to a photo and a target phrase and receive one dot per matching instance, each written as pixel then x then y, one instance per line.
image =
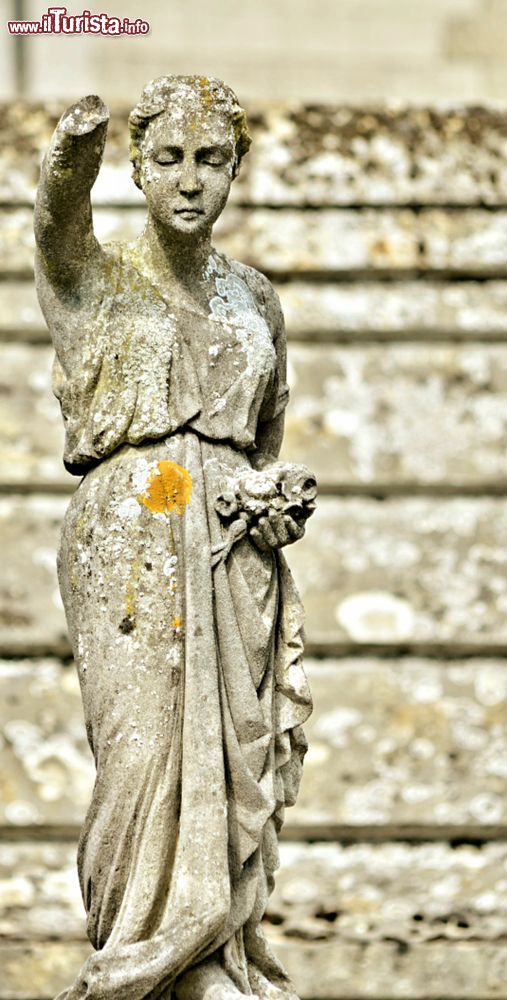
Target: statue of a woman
pixel 184 621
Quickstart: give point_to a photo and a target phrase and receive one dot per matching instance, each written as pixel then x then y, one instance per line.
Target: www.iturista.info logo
pixel 57 22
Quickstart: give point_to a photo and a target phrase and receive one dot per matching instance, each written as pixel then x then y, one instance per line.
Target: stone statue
pixel 184 620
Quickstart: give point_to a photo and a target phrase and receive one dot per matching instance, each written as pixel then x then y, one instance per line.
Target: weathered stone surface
pixel 20 314
pixel 367 892
pixel 464 310
pixel 40 898
pixel 16 242
pixel 357 893
pixel 176 397
pixel 385 416
pixel 332 969
pixel 343 919
pixel 421 571
pixel 46 768
pixel 328 241
pixel 414 570
pixel 344 241
pixel 31 610
pixel 404 744
pixel 324 155
pixel 464 970
pixel 399 415
pixel 31 432
pixel 39 971
pixel 315 155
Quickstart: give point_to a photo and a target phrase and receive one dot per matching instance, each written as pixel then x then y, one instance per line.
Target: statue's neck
pixel 175 258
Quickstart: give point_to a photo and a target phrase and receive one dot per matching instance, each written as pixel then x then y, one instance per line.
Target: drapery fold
pixel 194 695
pixel 143 368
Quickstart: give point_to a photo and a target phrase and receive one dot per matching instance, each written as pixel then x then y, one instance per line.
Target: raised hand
pixel 63 227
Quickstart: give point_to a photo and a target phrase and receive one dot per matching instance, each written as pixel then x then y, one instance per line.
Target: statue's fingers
pixel 280 529
pixel 258 538
pixel 296 529
pixel 268 532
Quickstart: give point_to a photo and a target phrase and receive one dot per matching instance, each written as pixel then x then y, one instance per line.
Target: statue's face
pixel 187 167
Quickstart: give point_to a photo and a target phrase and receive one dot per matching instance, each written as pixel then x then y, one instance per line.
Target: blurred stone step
pixel 363 921
pixel 335 970
pixel 358 893
pixel 314 243
pixel 387 417
pixel 410 747
pixel 340 311
pixel 419 572
pixel 314 155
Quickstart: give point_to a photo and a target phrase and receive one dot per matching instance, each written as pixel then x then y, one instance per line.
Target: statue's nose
pixel 189 178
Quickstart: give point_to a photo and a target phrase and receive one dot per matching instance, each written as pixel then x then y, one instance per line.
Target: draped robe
pixel 191 676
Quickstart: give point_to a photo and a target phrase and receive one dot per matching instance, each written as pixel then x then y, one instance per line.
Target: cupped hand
pixel 276 531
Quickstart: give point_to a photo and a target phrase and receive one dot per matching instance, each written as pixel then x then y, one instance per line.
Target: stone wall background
pixel 384 228
pixel 326 50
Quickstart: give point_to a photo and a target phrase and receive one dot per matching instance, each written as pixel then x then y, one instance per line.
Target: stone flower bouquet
pixel 252 495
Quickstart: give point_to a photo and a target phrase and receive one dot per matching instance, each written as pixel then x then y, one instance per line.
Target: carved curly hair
pixel 161 94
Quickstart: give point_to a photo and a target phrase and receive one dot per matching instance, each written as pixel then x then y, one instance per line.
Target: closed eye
pixel 168 156
pixel 213 157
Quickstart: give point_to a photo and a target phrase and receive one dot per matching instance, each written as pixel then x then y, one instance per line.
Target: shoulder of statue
pixel 263 292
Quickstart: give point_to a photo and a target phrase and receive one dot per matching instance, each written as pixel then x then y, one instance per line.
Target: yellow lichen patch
pixel 206 95
pixel 177 622
pixel 169 488
pixel 131 590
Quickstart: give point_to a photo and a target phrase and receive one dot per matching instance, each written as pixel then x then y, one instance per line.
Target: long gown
pixel 191 676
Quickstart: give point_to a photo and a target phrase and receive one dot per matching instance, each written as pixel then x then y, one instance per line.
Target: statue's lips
pixel 188 213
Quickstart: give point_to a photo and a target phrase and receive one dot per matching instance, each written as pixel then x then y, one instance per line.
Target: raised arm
pixel 66 245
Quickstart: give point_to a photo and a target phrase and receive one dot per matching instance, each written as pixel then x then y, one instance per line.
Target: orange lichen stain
pixel 169 488
pixel 177 622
